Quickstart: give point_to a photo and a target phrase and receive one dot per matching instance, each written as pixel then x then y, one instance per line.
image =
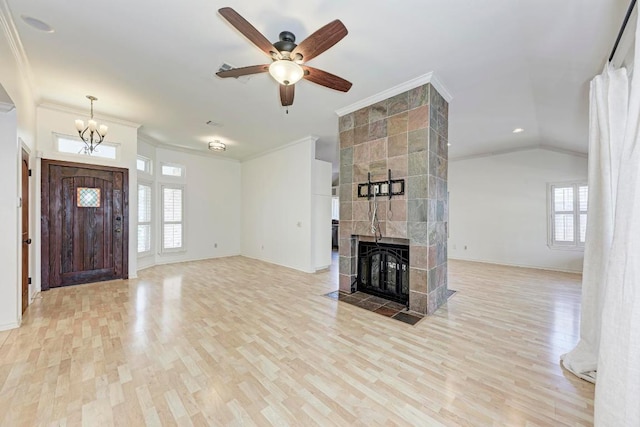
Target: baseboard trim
pixel 7 326
pixel 535 267
pixel 177 261
pixel 277 263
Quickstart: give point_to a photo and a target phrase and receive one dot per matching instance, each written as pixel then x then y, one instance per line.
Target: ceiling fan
pixel 288 58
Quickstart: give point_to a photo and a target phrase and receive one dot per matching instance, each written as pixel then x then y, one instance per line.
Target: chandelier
pixel 92 135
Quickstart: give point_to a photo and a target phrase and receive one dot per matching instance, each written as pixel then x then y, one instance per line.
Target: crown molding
pixel 15 44
pixel 518 149
pixel 183 149
pixel 5 107
pixel 430 77
pixel 563 151
pixel 310 138
pixel 77 112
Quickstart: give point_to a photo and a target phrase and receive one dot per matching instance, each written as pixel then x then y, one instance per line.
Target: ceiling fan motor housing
pixel 286 42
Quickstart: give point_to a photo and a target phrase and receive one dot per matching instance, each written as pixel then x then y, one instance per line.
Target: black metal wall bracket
pixel 389 188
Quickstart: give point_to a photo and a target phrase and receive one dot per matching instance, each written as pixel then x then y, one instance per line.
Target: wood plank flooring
pixel 235 341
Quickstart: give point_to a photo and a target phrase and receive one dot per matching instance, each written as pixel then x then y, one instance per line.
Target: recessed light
pixel 37 24
pixel 518 130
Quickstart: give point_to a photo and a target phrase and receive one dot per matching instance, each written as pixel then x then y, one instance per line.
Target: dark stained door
pixel 26 241
pixel 84 223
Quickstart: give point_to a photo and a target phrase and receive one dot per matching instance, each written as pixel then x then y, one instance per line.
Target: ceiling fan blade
pixel 321 40
pixel 286 94
pixel 249 31
pixel 326 79
pixel 243 71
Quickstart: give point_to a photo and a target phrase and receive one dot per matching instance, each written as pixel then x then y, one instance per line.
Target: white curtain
pixel 610 324
pixel 608 114
pixel 617 401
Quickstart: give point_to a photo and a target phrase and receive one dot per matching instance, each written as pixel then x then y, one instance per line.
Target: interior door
pixel 84 223
pixel 26 241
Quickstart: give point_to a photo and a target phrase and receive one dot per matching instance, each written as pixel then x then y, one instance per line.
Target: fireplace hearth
pixel 383 270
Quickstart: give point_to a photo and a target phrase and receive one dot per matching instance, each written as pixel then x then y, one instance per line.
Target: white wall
pixel 277 223
pixel 9 218
pixel 52 120
pixel 211 205
pixel 321 214
pixel 17 127
pixel 498 208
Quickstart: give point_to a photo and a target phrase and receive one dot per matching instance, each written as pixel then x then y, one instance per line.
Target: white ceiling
pixel 506 63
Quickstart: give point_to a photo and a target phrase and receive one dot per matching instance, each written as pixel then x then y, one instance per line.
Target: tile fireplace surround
pixel 406 134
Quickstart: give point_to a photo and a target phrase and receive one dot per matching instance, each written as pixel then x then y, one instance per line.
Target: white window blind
pixel 568 216
pixel 144 218
pixel 172 214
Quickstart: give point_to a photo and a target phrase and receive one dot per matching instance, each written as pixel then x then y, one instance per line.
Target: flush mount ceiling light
pixel 92 135
pixel 217 146
pixel 518 130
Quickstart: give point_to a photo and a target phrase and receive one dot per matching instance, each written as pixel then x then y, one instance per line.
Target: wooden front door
pixel 26 241
pixel 84 223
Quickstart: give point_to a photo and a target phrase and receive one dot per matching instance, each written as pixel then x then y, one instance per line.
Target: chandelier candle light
pixel 96 133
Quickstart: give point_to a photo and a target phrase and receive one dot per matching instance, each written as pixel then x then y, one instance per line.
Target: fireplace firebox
pixel 383 270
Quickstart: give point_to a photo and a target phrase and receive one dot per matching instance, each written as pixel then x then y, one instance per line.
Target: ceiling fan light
pixel 286 72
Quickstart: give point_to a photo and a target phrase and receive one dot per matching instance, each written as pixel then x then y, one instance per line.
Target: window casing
pixel 568 215
pixel 144 218
pixel 172 218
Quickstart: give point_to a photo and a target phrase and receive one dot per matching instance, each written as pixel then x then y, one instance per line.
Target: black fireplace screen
pixel 383 270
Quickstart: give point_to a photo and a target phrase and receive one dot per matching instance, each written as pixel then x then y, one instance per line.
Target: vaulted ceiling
pixel 508 64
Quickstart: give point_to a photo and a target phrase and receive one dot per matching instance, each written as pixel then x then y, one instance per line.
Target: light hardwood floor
pixel 236 341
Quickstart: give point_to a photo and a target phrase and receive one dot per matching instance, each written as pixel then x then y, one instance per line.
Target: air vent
pixel 212 123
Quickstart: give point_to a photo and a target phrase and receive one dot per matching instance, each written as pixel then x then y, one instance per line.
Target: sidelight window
pixel 144 219
pixel 172 218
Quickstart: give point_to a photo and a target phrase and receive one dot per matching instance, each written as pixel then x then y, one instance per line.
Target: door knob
pixel 28 241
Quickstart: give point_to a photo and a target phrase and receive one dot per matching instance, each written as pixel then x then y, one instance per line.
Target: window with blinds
pixel 568 215
pixel 172 218
pixel 144 219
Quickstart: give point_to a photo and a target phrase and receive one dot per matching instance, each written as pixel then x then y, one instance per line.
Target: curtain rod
pixel 624 25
